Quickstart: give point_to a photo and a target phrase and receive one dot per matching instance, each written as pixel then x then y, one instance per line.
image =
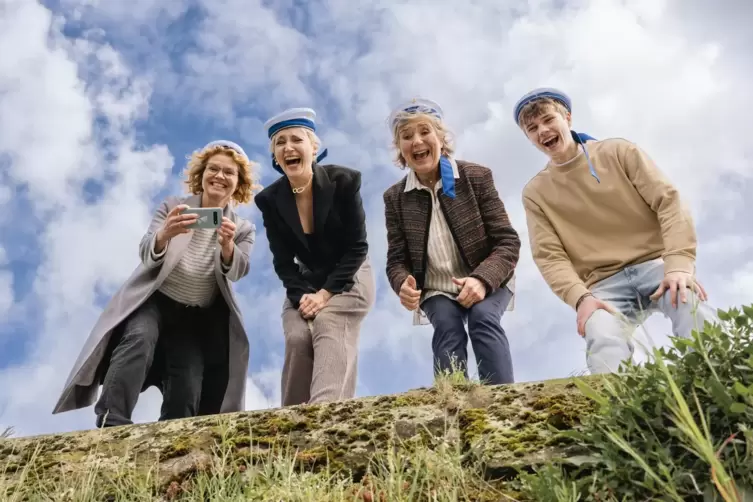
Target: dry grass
pixel 440 474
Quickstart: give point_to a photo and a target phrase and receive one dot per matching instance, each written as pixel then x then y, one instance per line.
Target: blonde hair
pixel 247 175
pixel 404 118
pixel 539 107
pixel 311 135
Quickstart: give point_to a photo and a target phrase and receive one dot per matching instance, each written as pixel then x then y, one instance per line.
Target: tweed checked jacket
pixel 479 224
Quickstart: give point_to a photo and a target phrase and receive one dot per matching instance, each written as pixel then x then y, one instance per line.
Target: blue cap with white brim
pixel 292 117
pixel 429 107
pixel 556 94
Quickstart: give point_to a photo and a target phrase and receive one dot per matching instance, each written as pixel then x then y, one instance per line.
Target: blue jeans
pixel 487 336
pixel 609 338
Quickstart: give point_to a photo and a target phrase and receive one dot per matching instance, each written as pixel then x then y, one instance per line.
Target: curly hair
pixel 405 118
pixel 247 175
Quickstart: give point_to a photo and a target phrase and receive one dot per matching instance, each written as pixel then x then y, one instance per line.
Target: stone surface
pixel 510 427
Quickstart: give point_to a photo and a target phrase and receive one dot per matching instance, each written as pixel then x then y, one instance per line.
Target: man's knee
pixel 687 316
pixel 608 342
pixel 606 329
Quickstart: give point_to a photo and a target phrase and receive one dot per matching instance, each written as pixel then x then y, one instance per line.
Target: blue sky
pixel 101 102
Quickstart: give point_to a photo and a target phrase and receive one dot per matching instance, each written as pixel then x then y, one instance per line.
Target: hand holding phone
pixel 204 217
pixel 176 223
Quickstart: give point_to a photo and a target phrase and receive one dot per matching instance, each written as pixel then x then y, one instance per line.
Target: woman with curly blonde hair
pixel 175 323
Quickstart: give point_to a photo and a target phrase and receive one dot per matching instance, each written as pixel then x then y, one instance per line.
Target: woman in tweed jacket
pixel 451 249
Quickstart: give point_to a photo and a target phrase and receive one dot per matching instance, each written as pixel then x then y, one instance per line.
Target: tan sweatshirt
pixel 582 231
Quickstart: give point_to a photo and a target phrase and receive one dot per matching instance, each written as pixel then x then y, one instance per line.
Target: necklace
pixel 304 187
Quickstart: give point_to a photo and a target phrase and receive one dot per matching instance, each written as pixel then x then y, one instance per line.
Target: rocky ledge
pixel 507 428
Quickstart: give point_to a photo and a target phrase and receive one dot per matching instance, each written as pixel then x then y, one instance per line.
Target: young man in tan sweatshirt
pixel 608 233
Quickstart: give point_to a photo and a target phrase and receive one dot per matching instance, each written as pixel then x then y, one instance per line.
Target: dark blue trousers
pixel 488 338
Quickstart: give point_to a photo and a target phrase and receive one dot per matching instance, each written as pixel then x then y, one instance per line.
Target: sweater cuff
pixel 156 257
pixel 678 263
pixel 574 293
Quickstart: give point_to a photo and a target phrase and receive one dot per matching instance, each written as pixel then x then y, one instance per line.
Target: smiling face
pixel 547 126
pixel 220 178
pixel 294 151
pixel 420 145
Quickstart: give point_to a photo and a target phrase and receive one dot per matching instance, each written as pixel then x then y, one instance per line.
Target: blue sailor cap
pixel 292 117
pixel 417 105
pixel 542 92
pixel 227 144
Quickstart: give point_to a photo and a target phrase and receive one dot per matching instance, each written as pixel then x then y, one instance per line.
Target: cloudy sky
pixel 101 101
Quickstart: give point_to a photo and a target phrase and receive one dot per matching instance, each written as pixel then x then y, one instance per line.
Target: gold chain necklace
pixel 304 187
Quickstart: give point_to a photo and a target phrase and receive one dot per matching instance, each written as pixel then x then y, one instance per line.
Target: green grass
pixel 279 475
pixel 676 428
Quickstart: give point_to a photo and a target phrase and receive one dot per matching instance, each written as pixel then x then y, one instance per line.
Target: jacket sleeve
pixel 149 258
pixel 282 257
pixel 354 235
pixel 499 266
pixel 245 236
pixel 398 268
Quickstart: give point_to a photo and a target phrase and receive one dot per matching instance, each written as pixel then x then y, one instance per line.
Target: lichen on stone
pixel 508 427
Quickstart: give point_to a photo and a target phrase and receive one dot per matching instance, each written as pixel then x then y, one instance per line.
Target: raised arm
pixel 238 268
pixel 149 256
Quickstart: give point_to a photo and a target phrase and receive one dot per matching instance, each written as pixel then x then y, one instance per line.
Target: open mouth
pixel 551 142
pixel 293 161
pixel 421 155
pixel 220 186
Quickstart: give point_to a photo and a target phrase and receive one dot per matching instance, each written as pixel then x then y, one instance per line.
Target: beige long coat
pixel 82 385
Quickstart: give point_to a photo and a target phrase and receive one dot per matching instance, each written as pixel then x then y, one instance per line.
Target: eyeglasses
pixel 228 172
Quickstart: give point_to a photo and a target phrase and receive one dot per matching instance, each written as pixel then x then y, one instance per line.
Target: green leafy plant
pixel 677 427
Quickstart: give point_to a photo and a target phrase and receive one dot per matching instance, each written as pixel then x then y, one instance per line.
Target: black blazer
pixel 333 254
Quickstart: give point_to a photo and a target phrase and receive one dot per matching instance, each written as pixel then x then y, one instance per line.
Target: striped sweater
pixel 192 281
pixel 443 256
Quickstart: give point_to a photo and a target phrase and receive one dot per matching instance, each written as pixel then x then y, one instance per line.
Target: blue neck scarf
pixel 448 177
pixel 581 138
pixel 279 169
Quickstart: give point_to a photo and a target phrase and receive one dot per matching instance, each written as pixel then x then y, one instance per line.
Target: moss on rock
pixel 509 427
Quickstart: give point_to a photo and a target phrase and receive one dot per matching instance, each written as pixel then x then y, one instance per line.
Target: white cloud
pixel 652 71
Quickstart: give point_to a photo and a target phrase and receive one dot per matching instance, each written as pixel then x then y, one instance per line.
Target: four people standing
pixel 607 231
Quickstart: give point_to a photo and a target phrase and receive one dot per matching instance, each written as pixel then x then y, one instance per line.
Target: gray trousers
pixel 488 338
pixel 609 338
pixel 321 355
pixel 191 345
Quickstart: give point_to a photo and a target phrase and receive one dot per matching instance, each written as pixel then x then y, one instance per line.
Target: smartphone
pixel 209 217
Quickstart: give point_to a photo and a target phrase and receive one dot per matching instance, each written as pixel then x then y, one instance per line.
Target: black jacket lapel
pixel 286 205
pixel 323 193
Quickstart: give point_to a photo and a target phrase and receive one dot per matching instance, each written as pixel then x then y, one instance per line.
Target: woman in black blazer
pixel 316 227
